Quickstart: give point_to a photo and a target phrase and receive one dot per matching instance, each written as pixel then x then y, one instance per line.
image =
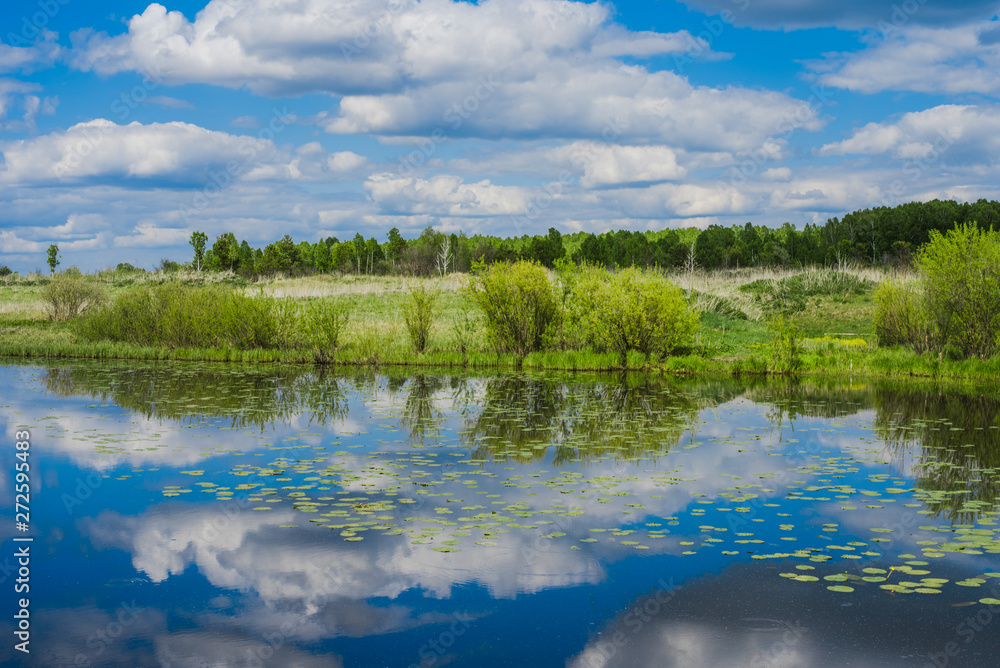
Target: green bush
pixel 5 271
pixel 785 346
pixel 960 272
pixel 176 315
pixel 519 305
pixel 419 313
pixel 633 311
pixel 464 328
pixel 900 317
pixel 324 322
pixel 70 295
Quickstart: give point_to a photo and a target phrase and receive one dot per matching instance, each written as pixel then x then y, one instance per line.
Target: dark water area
pixel 211 515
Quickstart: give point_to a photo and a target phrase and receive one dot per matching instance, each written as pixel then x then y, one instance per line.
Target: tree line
pixel 876 237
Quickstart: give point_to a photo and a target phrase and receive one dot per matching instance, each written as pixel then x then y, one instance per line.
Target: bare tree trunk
pixel 443 255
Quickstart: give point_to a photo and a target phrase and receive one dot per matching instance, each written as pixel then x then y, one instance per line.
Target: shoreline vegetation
pixel 754 322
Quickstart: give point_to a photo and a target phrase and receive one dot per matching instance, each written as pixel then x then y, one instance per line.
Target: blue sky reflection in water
pixel 205 515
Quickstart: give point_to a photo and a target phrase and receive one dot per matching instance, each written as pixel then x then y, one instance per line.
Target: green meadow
pixel 749 322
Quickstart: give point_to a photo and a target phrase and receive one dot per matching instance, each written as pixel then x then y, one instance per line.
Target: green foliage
pixel 324 321
pixel 961 279
pixel 198 241
pixel 790 295
pixel 128 267
pixel 785 348
pixel 900 316
pixel 5 271
pixel 175 315
pixel 464 328
pixel 519 305
pixel 372 343
pixel 633 311
pixel 53 258
pixel 69 296
pixel 419 313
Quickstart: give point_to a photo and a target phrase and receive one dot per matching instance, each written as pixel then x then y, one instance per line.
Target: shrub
pixel 128 267
pixel 960 272
pixel 372 341
pixel 464 328
pixel 519 305
pixel 634 311
pixel 324 322
pixel 70 295
pixel 419 313
pixel 176 315
pixel 785 346
pixel 580 288
pixel 900 317
pixel 5 271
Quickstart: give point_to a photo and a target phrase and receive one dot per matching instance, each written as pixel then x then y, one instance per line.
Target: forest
pixel 882 236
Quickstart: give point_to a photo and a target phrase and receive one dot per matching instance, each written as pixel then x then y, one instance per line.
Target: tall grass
pixel 69 295
pixel 420 311
pixel 175 315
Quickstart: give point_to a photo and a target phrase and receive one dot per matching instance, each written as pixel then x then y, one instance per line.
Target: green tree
pixel 246 258
pixel 53 258
pixel 358 250
pixel 395 247
pixel 321 256
pixel 198 241
pixel 226 252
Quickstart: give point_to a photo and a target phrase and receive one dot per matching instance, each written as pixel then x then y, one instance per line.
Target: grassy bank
pixel 827 320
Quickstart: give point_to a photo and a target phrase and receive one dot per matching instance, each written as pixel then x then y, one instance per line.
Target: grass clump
pixel 174 315
pixel 323 322
pixel 420 311
pixel 791 294
pixel 900 316
pixel 70 295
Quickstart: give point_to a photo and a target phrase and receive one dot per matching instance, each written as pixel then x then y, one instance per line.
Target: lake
pixel 211 515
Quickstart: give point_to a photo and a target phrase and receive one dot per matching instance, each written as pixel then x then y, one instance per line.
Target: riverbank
pixel 827 328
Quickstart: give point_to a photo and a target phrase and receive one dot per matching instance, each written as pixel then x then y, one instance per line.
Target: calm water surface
pixel 196 515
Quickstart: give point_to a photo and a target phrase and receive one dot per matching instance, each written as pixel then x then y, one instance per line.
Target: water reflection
pixel 379 508
pixel 247 396
pixel 743 618
pixel 957 433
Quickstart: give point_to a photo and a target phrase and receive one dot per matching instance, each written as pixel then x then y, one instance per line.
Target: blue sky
pixel 125 126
